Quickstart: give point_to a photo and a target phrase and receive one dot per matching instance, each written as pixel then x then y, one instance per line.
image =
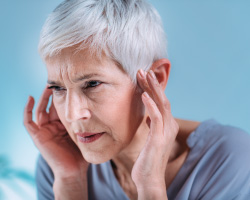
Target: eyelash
pixel 58 89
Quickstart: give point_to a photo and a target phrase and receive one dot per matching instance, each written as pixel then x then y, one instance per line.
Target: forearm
pixel 70 188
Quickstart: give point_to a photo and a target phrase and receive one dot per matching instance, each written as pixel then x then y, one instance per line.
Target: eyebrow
pixel 81 78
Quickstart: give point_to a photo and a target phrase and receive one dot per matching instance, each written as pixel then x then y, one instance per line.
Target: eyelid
pixel 86 85
pixel 51 87
pixel 55 87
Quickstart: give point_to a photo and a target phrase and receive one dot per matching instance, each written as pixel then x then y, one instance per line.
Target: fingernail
pixel 142 73
pixel 146 94
pixel 152 74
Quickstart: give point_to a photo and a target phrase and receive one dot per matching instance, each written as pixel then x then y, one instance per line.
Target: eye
pixel 92 84
pixel 56 88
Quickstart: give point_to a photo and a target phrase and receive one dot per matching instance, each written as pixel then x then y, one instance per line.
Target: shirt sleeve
pixel 44 180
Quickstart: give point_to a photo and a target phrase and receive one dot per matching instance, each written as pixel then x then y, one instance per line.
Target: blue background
pixel 208 46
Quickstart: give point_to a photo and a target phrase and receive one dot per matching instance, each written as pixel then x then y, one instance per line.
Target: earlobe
pixel 161 68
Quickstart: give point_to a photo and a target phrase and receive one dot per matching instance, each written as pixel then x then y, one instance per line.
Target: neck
pixel 124 161
pixel 126 158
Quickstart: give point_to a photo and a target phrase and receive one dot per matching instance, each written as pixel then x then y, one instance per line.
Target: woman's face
pixel 95 96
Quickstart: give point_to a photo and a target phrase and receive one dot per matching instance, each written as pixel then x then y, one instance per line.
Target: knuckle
pixel 157 118
pixel 152 104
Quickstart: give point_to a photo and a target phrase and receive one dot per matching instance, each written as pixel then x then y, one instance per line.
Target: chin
pixel 96 158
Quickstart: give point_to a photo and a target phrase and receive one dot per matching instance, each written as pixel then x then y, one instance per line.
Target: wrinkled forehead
pixel 70 57
pixel 75 64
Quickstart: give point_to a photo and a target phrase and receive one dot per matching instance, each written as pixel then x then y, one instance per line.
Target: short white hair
pixel 128 31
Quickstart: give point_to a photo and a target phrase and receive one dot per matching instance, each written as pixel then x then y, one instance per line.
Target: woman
pixel 109 132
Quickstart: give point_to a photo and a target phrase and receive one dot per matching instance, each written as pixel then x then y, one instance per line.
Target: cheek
pixel 124 115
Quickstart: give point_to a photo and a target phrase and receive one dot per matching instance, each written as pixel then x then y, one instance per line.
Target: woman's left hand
pixel 148 172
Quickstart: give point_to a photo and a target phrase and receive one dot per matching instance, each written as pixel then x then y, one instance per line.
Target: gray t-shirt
pixel 216 168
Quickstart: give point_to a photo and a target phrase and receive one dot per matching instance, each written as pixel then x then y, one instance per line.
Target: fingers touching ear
pixel 161 68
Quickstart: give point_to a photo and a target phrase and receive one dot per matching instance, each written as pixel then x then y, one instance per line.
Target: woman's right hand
pixel 52 139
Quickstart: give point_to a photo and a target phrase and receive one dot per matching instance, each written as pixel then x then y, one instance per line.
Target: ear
pixel 161 68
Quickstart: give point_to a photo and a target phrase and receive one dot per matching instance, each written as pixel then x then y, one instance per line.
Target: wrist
pixel 69 177
pixel 151 193
pixel 150 184
pixel 70 187
pixel 78 173
pixel 148 192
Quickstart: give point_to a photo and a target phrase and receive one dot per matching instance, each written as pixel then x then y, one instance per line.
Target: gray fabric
pixel 217 167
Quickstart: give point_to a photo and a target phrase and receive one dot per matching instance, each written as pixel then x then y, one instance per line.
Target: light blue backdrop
pixel 208 46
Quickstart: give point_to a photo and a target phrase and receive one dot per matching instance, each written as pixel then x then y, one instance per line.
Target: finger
pixel 164 107
pixel 156 125
pixel 158 95
pixel 55 128
pixel 141 78
pixel 60 126
pixel 29 124
pixel 53 116
pixel 41 113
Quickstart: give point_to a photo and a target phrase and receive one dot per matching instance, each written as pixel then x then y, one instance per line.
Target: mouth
pixel 88 137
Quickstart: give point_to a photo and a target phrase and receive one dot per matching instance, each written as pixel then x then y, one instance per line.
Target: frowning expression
pixel 94 96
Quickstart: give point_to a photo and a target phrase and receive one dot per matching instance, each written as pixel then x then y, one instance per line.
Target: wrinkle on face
pixel 115 107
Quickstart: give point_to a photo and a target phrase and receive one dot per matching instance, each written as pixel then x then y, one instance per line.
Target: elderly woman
pixel 109 132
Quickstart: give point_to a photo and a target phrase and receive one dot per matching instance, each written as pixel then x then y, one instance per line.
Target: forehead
pixel 75 65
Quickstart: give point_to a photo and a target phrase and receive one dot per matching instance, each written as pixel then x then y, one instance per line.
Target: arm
pixel 70 188
pixel 48 188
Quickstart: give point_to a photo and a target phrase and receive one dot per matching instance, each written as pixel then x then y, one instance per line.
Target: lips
pixel 88 137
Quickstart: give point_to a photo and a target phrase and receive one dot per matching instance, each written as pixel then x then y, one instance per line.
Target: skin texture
pixel 138 126
pixel 114 106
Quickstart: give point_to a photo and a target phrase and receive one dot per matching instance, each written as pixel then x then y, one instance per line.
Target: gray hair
pixel 128 31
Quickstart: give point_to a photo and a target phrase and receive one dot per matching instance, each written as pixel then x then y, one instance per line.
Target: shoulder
pixel 231 146
pixel 213 134
pixel 225 142
pixel 230 141
pixel 223 152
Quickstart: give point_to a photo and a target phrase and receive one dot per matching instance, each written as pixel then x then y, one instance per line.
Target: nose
pixel 76 107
